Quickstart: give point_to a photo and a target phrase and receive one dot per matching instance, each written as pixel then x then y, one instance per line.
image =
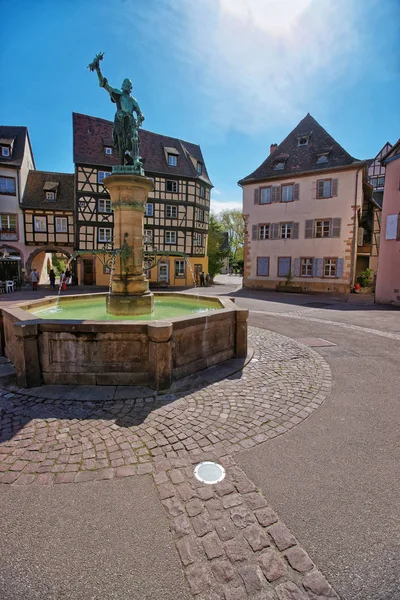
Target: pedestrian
pixel 52 277
pixel 63 278
pixel 67 276
pixel 202 279
pixel 34 279
pixel 208 279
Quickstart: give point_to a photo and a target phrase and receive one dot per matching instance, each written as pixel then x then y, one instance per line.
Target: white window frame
pixel 108 151
pixel 174 186
pixel 197 239
pixel 10 230
pixel 285 192
pixel 50 195
pixel 6 190
pixel 264 231
pixel 104 234
pixel 40 224
pixel 161 267
pixel 61 224
pixel 383 182
pixel 104 205
pixel 172 160
pixel 148 237
pixel 330 267
pixel 171 211
pixel 149 211
pixel 306 264
pixel 180 272
pixel 286 231
pixel 101 175
pixel 322 228
pixel 5 151
pixel 170 237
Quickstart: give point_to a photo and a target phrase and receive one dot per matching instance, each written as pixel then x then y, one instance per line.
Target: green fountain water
pixel 95 309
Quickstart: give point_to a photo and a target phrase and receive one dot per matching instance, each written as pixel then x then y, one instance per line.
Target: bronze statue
pixel 126 127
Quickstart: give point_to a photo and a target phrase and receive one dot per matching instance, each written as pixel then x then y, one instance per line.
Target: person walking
pixel 202 279
pixel 67 276
pixel 34 279
pixel 208 279
pixel 52 277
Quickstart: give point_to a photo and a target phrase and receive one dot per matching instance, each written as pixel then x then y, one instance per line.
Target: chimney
pixel 272 148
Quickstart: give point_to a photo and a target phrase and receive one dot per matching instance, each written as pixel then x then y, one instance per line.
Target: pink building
pixel 302 209
pixel 388 279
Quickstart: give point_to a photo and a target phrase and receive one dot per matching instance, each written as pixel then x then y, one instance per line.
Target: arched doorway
pixel 44 259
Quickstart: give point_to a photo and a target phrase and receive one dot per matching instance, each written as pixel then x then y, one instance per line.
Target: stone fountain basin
pixel 151 353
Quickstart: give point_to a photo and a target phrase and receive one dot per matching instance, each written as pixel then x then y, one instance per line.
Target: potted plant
pixel 365 281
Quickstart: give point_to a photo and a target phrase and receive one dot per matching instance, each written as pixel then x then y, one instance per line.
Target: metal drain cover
pixel 209 472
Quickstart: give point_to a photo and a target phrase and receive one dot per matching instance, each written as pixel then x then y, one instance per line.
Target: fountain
pixel 129 336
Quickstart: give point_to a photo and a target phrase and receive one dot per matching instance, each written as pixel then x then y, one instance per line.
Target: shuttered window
pixel 265 195
pixel 286 230
pixel 306 267
pixel 263 232
pixel 284 264
pixel 326 188
pixel 262 266
pixel 323 228
pixel 287 193
pixel 329 267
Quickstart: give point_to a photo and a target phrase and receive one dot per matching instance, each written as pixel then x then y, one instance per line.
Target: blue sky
pixel 231 75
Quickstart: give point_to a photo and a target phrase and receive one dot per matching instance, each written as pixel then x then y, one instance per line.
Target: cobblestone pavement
pixel 231 543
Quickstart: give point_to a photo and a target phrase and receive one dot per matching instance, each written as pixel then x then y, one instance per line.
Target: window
pixel 322 158
pixel 324 188
pixel 373 182
pixel 105 234
pixel 265 197
pixel 148 237
pixel 306 267
pixel 330 267
pixel 278 166
pixel 8 227
pixel 179 268
pixel 50 196
pixel 381 181
pixel 108 150
pixel 262 266
pixel 104 205
pixel 171 212
pixel 202 192
pixel 40 224
pixel 287 193
pixel 284 265
pixel 201 215
pixel 172 160
pixel 286 230
pixel 263 232
pixel 170 237
pixel 197 239
pixel 61 224
pixel 102 175
pixel 7 185
pixel 323 228
pixel 149 210
pixel 199 167
pixel 302 140
pixel 172 186
pixel 5 151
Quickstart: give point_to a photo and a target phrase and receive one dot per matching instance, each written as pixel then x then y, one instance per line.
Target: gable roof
pixel 92 134
pixel 17 136
pixel 392 152
pixel 35 191
pixel 303 159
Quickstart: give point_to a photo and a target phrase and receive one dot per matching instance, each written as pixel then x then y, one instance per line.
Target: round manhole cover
pixel 209 472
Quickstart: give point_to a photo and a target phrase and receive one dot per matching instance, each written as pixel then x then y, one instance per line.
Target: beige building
pixel 302 208
pixel 16 160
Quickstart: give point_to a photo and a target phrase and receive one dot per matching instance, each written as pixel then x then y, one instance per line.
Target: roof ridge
pixel 49 172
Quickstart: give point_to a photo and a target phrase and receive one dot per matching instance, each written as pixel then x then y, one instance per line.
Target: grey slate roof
pixel 301 159
pixel 35 194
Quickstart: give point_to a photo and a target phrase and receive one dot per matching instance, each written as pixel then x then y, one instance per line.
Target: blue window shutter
pixel 263 266
pixel 283 266
pixel 339 267
pixel 255 232
pixel 318 267
pixel 296 267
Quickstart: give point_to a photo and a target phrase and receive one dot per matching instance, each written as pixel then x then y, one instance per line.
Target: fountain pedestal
pixel 130 293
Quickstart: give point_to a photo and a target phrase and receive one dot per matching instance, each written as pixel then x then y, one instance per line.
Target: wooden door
pixel 88 274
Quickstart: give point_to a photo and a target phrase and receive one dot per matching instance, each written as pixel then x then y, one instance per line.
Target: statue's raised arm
pixel 95 66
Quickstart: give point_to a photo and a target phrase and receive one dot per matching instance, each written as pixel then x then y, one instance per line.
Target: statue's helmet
pixel 127 85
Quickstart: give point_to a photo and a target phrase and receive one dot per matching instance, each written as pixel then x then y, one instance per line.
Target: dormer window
pixel 50 196
pixel 322 158
pixel 302 140
pixel 5 151
pixel 108 151
pixel 199 168
pixel 172 160
pixel 278 166
pixel 280 162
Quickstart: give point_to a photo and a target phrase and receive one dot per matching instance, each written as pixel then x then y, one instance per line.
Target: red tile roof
pixel 35 196
pixel 92 134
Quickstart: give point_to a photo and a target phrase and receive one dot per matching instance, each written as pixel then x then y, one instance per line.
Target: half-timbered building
pixel 48 207
pixel 177 209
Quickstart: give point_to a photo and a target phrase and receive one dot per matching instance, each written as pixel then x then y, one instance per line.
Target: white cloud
pixel 215 191
pixel 258 61
pixel 218 206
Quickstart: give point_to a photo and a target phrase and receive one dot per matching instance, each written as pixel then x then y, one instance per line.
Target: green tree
pixel 216 240
pixel 232 222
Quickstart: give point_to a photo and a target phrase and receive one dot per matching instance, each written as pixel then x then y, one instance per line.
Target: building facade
pixel 16 160
pixel 388 278
pixel 302 208
pixel 48 209
pixel 177 210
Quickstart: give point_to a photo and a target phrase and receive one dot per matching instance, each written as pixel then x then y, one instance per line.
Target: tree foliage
pixel 215 252
pixel 232 222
